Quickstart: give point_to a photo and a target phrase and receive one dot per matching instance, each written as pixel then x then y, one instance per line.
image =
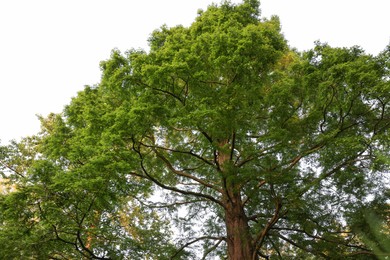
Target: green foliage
pixel 217 116
pixel 69 208
pixel 375 233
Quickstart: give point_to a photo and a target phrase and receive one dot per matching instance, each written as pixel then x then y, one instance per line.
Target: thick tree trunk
pixel 239 240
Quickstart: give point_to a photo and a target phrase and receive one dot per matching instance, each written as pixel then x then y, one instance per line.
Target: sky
pixel 51 49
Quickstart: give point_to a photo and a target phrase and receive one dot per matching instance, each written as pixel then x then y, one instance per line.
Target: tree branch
pixel 300 246
pixel 160 184
pixel 79 238
pixel 320 238
pixel 184 174
pixel 331 172
pixel 5 165
pixel 183 152
pixel 260 238
pixel 179 203
pixel 211 249
pixel 184 192
pixel 164 91
pixel 194 241
pixel 261 183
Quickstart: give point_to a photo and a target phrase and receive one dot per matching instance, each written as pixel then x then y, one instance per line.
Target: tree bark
pixel 239 239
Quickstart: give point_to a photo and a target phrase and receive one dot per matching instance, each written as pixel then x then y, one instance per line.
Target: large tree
pixel 245 146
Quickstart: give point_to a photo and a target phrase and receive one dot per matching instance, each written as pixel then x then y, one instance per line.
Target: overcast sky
pixel 50 49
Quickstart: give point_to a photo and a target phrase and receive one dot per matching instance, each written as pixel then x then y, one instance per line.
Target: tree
pixel 64 208
pixel 268 151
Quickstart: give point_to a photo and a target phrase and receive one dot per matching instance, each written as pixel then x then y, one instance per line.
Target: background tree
pixel 267 151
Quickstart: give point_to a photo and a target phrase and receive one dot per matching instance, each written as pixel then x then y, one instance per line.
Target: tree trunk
pixel 239 240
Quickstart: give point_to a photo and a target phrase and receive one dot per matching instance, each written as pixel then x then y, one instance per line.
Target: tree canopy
pixel 220 141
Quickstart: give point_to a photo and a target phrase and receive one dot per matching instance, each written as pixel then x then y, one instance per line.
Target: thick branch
pixel 260 238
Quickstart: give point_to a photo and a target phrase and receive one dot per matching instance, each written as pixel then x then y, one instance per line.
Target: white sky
pixel 50 49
